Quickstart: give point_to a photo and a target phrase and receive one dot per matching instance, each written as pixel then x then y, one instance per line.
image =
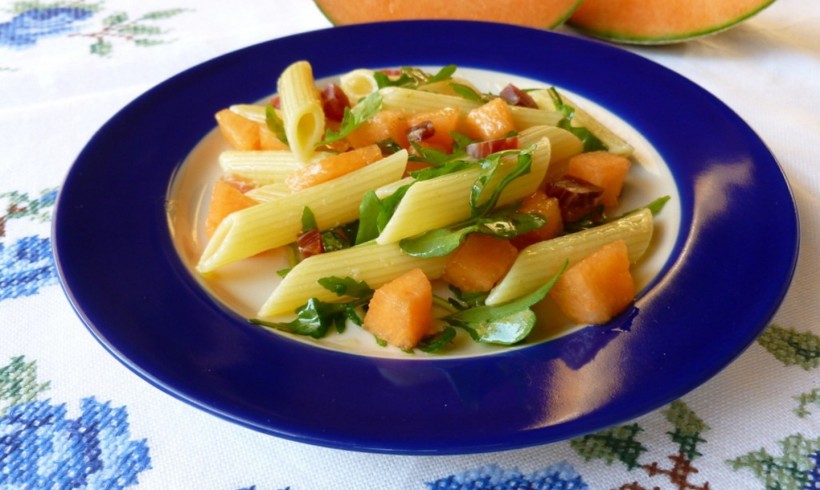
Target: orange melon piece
pixel 384 125
pixel 661 21
pixel 444 120
pixel 548 207
pixel 598 287
pixel 225 199
pixel 604 169
pixel 490 121
pixel 544 14
pixel 331 167
pixel 401 311
pixel 479 262
pixel 240 132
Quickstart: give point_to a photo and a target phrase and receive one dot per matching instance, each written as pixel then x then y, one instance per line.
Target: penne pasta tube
pixel 261 167
pixel 269 192
pixel 302 112
pixel 412 101
pixel 372 263
pixel 538 263
pixel 275 223
pixel 563 144
pixel 250 111
pixel 443 201
pixel 582 118
pixel 358 84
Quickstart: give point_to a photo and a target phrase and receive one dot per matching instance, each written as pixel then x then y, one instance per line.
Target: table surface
pixel 73 416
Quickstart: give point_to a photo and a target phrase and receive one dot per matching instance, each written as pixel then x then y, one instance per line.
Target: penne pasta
pixel 444 200
pixel 613 142
pixel 372 263
pixel 302 112
pixel 358 84
pixel 278 222
pixel 249 111
pixel 539 262
pixel 261 167
pixel 269 192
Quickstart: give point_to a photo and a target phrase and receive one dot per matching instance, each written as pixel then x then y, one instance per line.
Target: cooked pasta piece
pixel 444 200
pixel 278 222
pixel 614 143
pixel 269 192
pixel 358 84
pixel 412 101
pixel 261 167
pixel 302 112
pixel 250 111
pixel 372 263
pixel 539 262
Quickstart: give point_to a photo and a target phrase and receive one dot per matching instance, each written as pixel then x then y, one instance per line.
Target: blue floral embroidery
pixel 27 27
pixel 560 476
pixel 41 448
pixel 26 266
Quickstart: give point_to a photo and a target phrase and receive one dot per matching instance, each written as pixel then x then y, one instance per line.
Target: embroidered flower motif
pixel 28 26
pixel 560 476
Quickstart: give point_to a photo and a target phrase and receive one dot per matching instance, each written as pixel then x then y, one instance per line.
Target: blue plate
pixel 725 279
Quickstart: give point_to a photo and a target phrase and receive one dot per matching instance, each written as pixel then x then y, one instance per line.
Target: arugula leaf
pixel 312 319
pixel 275 124
pixel 347 286
pixel 590 141
pixel 504 324
pixel 489 166
pixel 374 213
pixel 443 169
pixel 443 241
pixel 308 220
pixel 434 343
pixel 467 92
pixel 355 117
pixel 411 77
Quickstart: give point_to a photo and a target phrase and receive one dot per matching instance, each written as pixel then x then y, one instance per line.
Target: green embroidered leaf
pixel 162 14
pixel 101 48
pixel 688 428
pixel 114 19
pixel 790 471
pixel 791 347
pixel 610 445
pixel 806 399
pixel 140 30
pixel 18 383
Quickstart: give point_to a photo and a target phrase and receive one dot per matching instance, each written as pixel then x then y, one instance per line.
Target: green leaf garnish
pixel 504 324
pixel 355 117
pixel 374 213
pixel 411 77
pixel 590 141
pixel 275 124
pixel 434 343
pixel 467 92
pixel 347 286
pixel 489 166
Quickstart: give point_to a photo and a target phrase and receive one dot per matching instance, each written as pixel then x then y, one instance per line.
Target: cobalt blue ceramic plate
pixel 724 279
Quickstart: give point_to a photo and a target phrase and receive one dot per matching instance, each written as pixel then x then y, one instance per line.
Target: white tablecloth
pixel 73 416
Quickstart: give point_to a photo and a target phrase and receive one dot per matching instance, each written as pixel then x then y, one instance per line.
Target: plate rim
pixel 78 286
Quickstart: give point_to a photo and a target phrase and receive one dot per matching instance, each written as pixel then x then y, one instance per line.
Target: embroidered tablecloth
pixel 71 416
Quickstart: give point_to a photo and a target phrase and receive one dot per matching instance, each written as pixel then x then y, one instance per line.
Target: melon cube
pixel 597 288
pixel 604 169
pixel 479 262
pixel 490 121
pixel 401 311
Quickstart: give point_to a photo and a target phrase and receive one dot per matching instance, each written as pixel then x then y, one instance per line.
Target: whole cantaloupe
pixel 661 21
pixel 546 14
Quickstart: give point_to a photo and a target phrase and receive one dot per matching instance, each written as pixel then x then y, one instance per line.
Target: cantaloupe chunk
pixel 240 132
pixel 661 21
pixel 598 287
pixel 382 126
pixel 444 120
pixel 331 167
pixel 544 14
pixel 479 263
pixel 489 121
pixel 548 207
pixel 401 311
pixel 225 199
pixel 604 169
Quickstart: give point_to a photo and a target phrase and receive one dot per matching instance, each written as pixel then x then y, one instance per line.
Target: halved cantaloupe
pixel 545 14
pixel 661 21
